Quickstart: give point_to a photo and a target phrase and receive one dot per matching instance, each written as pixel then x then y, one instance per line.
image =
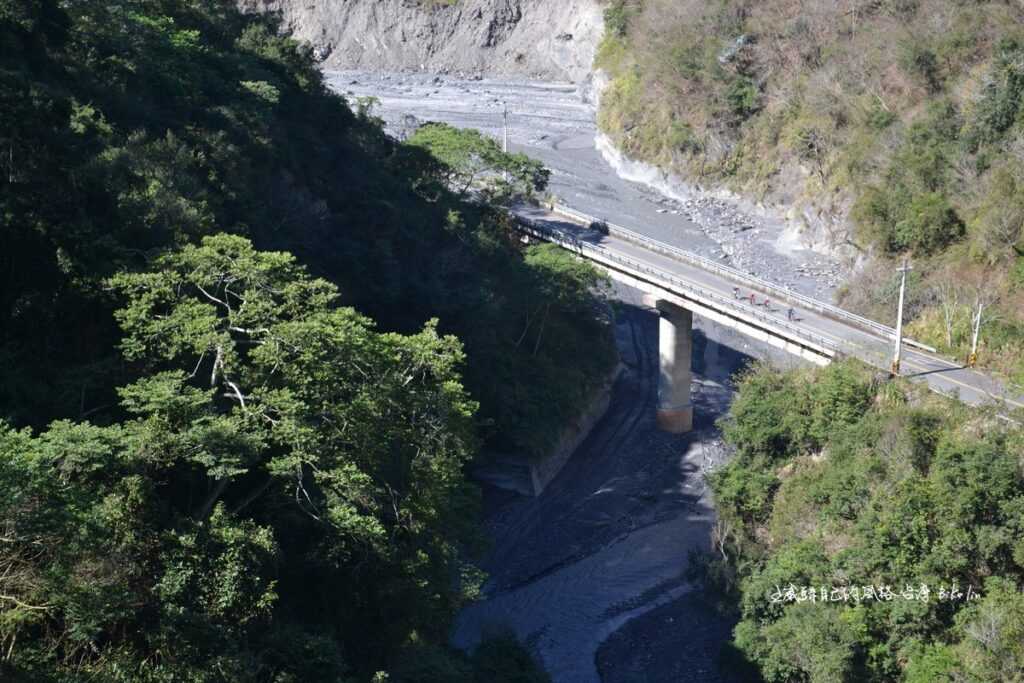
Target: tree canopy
pixel 470 160
pixel 252 345
pixel 842 488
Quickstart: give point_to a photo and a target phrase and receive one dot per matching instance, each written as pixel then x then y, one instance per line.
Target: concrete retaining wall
pixel 543 471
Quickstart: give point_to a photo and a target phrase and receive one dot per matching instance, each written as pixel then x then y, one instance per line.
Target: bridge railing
pixel 662 277
pixel 740 277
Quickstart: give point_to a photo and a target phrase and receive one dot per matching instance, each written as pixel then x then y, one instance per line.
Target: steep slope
pixel 891 127
pixel 536 38
pixel 183 503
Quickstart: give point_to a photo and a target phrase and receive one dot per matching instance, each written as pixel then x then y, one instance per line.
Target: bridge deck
pixel 941 375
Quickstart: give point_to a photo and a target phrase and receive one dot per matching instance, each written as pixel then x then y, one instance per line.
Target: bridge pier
pixel 675 346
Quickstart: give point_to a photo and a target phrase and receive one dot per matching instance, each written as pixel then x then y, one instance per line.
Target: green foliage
pixel 1003 95
pixel 903 493
pixel 276 442
pixel 912 212
pixel 212 467
pixel 922 63
pixel 997 227
pixel 743 97
pixel 892 109
pixel 994 647
pixel 616 17
pixel 470 159
pixel 929 225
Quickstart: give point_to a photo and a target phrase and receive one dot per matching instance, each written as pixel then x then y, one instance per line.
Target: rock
pixel 535 38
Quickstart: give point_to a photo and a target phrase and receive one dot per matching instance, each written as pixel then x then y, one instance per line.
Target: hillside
pixel 869 531
pixel 251 345
pixel 533 38
pixel 892 127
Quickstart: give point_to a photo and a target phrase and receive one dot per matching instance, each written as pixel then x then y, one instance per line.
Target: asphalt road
pixel 940 374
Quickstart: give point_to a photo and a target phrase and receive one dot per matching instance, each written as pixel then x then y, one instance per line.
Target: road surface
pixel 552 123
pixel 940 374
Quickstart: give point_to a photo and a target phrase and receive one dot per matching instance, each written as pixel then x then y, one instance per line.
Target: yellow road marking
pixel 968 386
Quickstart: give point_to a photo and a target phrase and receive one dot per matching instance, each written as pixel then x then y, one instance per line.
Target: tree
pixel 266 416
pixel 984 291
pixel 471 159
pixel 929 225
pixel 947 290
pixel 992 648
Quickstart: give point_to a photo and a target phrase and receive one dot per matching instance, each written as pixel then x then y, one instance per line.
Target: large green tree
pixel 286 468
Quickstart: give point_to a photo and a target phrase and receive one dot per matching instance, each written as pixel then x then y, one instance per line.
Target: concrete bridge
pixel 681 284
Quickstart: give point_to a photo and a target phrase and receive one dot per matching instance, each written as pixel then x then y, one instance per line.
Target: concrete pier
pixel 675 345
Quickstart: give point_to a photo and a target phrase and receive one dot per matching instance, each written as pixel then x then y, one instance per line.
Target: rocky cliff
pixel 549 39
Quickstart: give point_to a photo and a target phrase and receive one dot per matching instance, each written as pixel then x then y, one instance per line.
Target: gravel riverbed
pixel 588 572
pixel 554 123
pixel 591 574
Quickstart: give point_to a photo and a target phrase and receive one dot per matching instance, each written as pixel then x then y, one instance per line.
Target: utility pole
pixel 504 137
pixel 972 359
pixel 504 143
pixel 895 369
pixel 982 302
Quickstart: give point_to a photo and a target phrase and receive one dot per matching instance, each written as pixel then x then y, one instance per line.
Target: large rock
pixel 548 39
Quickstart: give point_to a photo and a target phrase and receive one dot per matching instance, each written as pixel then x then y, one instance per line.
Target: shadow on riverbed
pixel 598 559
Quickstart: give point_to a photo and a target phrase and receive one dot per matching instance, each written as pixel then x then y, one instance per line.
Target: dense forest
pixel 869 531
pixel 898 123
pixel 251 345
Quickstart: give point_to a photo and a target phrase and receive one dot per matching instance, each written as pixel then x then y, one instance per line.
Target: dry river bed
pixel 555 124
pixel 592 573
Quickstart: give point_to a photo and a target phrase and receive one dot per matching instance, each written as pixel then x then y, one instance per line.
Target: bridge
pixel 682 284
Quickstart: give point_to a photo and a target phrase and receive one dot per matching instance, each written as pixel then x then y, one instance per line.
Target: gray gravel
pixel 591 574
pixel 581 568
pixel 553 123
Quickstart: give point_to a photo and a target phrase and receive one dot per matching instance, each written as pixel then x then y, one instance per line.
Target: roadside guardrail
pixel 738 276
pixel 827 348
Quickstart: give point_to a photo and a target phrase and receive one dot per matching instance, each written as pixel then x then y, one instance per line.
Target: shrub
pixel 1017 273
pixel 1003 94
pixel 921 63
pixel 743 97
pixel 930 225
pixel 616 18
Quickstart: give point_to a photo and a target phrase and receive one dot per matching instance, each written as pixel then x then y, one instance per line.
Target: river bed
pixel 555 123
pixel 591 574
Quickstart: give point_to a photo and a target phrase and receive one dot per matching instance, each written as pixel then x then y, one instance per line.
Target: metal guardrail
pixel 828 347
pixel 740 277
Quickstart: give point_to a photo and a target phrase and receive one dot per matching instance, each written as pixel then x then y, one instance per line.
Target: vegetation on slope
pixel 842 482
pixel 902 118
pixel 250 345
